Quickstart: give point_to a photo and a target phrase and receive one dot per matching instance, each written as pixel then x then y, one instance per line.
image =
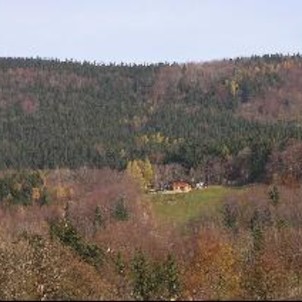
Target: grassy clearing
pixel 179 208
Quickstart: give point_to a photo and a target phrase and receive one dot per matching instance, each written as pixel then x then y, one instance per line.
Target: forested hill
pixel 243 112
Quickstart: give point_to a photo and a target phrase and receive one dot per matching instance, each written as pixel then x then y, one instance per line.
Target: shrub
pixel 23 187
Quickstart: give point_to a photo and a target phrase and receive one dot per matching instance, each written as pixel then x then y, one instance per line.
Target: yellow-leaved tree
pixel 147 171
pixel 234 87
pixel 142 171
pixel 134 170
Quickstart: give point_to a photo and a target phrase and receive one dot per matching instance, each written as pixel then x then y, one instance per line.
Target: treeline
pixel 71 114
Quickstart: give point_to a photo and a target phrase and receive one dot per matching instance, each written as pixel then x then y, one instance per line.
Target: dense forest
pixel 84 147
pixel 230 121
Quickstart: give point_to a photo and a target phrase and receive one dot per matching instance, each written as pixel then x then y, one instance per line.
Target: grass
pixel 179 208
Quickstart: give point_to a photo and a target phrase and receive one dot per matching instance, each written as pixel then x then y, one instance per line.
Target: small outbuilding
pixel 201 185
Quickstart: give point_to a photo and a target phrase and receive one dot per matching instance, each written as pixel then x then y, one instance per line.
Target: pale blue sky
pixel 149 30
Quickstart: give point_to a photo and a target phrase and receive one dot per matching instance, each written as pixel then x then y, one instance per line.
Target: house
pixel 180 186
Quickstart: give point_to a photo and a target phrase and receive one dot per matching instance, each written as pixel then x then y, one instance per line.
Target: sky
pixel 149 31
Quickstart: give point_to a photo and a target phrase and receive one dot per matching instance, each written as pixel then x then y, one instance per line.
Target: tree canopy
pixel 70 114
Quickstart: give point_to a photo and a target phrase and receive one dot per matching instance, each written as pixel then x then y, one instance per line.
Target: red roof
pixel 180 184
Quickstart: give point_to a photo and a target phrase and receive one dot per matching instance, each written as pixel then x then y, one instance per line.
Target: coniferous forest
pixel 70 114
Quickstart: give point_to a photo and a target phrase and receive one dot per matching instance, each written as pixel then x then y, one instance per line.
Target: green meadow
pixel 179 208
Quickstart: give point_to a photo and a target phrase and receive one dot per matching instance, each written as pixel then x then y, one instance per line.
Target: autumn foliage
pixel 104 242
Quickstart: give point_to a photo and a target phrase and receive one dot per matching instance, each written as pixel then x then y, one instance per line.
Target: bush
pixel 18 188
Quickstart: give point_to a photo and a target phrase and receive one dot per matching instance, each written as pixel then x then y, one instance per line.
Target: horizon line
pixel 148 63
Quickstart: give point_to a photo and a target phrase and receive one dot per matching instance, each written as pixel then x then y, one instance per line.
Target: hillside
pixel 86 234
pixel 224 121
pixel 82 145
